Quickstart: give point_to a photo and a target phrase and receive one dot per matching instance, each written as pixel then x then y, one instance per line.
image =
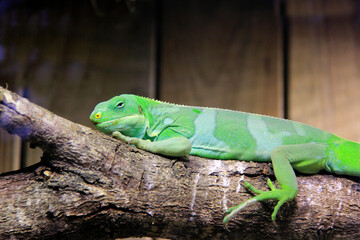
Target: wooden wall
pixel 223 54
pixel 69 55
pixel 324 65
pixel 298 57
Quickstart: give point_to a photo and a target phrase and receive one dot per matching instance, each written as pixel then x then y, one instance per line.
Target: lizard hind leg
pixel 282 195
pixel 307 158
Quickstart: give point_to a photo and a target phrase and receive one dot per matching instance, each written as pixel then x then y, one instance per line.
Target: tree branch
pixel 90 186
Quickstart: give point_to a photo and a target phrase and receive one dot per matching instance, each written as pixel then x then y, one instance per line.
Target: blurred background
pixel 298 59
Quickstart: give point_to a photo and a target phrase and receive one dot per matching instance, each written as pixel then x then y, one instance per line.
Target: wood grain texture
pixel 222 54
pixel 324 74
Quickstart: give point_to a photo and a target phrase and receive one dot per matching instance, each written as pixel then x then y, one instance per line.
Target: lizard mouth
pixel 115 122
pixel 110 122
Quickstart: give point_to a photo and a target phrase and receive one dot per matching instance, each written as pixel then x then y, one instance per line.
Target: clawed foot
pixel 282 195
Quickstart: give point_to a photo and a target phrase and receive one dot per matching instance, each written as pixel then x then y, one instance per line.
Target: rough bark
pixel 90 186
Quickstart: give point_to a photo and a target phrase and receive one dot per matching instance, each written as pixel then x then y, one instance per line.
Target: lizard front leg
pixel 172 147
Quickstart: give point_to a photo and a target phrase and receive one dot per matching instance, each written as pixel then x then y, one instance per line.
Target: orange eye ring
pixel 98 115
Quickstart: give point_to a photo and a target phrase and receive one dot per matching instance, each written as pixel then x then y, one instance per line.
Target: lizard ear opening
pixel 140 110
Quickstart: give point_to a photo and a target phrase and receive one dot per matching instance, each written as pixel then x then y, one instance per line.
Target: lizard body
pixel 177 130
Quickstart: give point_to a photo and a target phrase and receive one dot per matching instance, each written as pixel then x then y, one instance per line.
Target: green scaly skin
pixel 176 130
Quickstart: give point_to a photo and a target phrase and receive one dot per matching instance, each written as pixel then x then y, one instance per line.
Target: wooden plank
pixel 222 54
pixel 9 152
pixel 324 74
pixel 317 8
pixel 12 71
pixel 69 58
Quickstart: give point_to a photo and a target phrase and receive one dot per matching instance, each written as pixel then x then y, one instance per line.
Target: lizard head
pixel 121 113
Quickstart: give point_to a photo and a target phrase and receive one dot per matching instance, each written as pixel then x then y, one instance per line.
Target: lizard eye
pixel 120 104
pixel 98 115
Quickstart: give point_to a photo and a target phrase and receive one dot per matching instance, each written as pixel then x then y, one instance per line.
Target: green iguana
pixel 177 130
